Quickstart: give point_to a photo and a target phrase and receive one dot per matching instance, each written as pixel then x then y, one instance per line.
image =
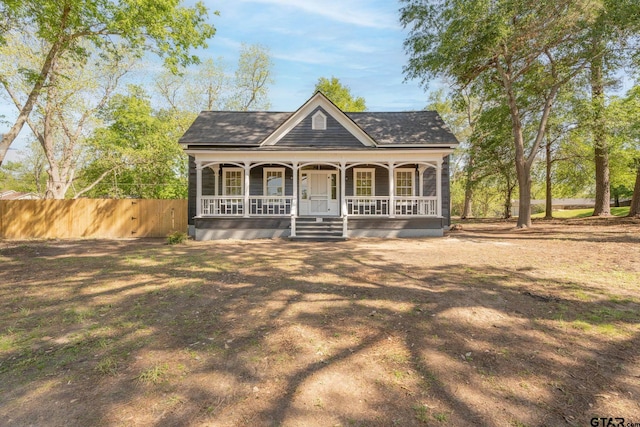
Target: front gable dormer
pixel 319 123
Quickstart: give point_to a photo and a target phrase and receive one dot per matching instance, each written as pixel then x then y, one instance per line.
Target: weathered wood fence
pixel 91 218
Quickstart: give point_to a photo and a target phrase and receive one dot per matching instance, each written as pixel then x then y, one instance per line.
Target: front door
pixel 319 193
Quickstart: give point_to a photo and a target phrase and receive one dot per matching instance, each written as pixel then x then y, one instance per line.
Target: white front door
pixel 319 193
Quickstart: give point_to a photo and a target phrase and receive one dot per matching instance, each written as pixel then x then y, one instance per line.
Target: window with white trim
pixel 364 182
pixel 404 182
pixel 273 181
pixel 319 121
pixel 233 182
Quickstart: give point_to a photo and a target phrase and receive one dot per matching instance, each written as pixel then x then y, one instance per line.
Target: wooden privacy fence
pixel 91 218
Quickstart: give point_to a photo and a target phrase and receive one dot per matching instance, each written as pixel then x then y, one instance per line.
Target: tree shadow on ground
pixel 279 333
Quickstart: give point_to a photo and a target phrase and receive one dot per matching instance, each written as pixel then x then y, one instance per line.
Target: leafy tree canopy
pixel 340 95
pixel 64 27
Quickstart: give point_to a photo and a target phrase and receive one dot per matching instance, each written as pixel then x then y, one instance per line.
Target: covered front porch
pixel 228 189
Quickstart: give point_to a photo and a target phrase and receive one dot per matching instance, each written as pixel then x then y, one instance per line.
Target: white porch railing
pixel 270 205
pixel 281 206
pixel 403 206
pixel 367 206
pixel 222 205
pixel 234 205
pixel 416 206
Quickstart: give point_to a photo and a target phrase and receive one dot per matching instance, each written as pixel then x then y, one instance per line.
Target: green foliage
pixel 164 27
pixel 519 52
pixel 340 95
pixel 252 79
pixel 137 151
pixel 177 238
pixel 65 29
pixel 26 175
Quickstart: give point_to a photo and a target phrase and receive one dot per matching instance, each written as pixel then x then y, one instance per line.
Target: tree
pixel 608 47
pixel 64 27
pixel 340 95
pixel 495 153
pixel 461 112
pixel 632 105
pixel 252 79
pixel 64 113
pixel 206 86
pixel 634 209
pixel 136 155
pixel 28 174
pixel 528 51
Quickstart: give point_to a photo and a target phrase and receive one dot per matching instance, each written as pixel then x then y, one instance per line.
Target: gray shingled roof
pixel 411 127
pixel 233 127
pixel 247 129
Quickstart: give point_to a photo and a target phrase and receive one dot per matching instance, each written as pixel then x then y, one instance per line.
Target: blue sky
pixel 357 41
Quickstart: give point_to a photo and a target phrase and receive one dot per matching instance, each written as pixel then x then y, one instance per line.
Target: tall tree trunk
pixel 507 200
pixel 634 210
pixel 548 210
pixel 524 188
pixel 467 210
pixel 601 150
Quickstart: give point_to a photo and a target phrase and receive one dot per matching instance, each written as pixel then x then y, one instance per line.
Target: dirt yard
pixel 487 326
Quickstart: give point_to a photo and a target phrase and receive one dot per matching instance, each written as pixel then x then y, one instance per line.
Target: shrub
pixel 177 237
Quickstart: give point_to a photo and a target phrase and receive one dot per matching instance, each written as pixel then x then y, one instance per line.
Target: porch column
pixel 216 178
pixel 392 191
pixel 294 200
pixel 421 169
pixel 343 188
pixel 421 206
pixel 247 183
pixel 343 200
pixel 198 188
pixel 439 189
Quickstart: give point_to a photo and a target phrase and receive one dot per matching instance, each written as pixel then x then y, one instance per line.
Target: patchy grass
pixel 487 326
pixel 582 213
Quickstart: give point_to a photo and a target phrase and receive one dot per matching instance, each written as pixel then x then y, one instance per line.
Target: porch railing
pixel 403 206
pixel 367 206
pixel 416 206
pixel 234 205
pixel 270 205
pixel 281 206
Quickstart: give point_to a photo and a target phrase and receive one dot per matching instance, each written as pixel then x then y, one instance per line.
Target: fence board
pixel 91 218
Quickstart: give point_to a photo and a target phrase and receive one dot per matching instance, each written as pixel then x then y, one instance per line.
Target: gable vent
pixel 319 121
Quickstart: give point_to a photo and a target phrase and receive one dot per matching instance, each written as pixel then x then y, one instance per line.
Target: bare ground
pixel 488 326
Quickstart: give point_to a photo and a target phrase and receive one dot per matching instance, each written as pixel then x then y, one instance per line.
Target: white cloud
pixel 313 57
pixel 351 12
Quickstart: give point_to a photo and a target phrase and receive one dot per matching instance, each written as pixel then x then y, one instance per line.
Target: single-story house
pixel 318 172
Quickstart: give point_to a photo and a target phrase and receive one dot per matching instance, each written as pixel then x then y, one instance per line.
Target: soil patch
pixel 487 326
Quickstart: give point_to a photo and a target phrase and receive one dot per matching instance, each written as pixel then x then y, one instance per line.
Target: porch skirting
pixel 241 228
pixel 269 228
pixel 397 227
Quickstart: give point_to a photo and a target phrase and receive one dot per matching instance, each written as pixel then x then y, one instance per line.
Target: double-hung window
pixel 364 182
pixel 404 182
pixel 232 189
pixel 273 182
pixel 364 188
pixel 233 182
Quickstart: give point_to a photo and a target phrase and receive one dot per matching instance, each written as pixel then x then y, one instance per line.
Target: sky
pixel 358 41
